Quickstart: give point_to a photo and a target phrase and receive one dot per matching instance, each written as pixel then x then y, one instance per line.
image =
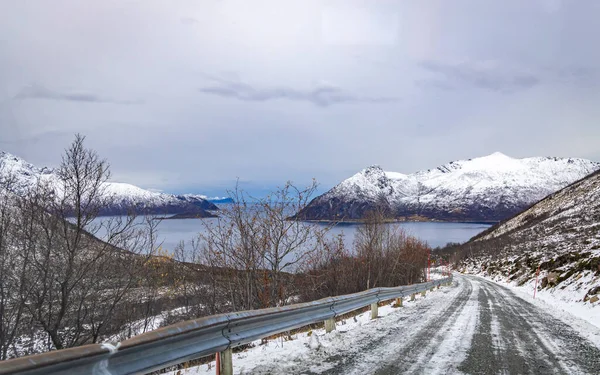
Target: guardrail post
pixel 431 290
pixel 412 297
pixel 330 325
pixel 423 293
pixel 374 310
pixel 399 302
pixel 227 362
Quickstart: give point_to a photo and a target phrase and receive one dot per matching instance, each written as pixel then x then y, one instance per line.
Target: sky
pixel 190 96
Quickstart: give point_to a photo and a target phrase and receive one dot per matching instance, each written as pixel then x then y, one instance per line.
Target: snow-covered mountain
pixel 122 196
pixel 489 188
pixel 560 234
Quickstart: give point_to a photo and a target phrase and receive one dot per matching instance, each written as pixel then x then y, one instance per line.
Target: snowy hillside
pixel 560 234
pixel 489 188
pixel 122 196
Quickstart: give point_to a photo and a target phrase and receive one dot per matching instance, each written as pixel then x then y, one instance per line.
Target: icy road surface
pixel 473 327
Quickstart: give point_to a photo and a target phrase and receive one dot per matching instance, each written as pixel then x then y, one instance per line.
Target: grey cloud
pixel 575 74
pixel 41 137
pixel 189 20
pixel 436 83
pixel 40 92
pixel 321 95
pixel 458 75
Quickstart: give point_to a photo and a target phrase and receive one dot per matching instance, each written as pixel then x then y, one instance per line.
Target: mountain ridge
pixel 485 189
pixel 123 196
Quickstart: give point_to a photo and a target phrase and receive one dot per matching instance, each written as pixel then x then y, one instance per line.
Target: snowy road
pixel 473 327
pixel 510 336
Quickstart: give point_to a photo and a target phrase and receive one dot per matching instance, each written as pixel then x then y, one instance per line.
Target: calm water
pixel 435 234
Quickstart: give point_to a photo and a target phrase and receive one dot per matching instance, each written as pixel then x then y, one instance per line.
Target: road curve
pixel 483 329
pixel 472 327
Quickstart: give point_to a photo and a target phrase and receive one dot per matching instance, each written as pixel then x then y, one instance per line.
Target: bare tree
pixel 370 243
pixel 67 282
pixel 256 244
pixel 286 240
pixel 12 302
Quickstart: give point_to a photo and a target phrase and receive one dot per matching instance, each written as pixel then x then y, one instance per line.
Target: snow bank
pixel 295 351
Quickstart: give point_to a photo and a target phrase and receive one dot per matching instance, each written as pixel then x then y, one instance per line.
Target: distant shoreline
pixel 391 221
pixel 182 216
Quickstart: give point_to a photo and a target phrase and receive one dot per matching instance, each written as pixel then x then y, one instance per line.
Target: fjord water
pixel 172 231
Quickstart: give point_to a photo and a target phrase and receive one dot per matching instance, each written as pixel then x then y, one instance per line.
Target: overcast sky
pixel 187 96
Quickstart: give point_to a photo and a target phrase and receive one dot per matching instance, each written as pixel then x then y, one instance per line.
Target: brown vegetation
pixel 384 255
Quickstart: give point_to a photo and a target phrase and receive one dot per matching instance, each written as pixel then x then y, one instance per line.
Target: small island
pixel 188 215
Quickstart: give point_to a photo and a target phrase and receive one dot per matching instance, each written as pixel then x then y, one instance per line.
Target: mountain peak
pixel 372 168
pixel 7 155
pixel 498 154
pixel 374 172
pixel 10 163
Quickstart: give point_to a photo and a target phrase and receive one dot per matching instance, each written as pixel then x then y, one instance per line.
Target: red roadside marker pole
pixel 537 273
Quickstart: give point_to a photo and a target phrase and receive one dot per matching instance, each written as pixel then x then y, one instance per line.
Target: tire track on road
pixel 536 343
pixel 518 350
pixel 425 351
pixel 529 342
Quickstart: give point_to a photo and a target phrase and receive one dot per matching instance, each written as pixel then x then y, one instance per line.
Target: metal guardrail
pixel 197 338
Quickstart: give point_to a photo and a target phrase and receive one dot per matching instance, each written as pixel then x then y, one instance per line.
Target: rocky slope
pixel 489 188
pixel 560 235
pixel 122 196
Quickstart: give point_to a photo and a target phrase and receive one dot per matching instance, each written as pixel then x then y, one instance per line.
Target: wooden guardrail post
pixel 424 293
pixel 227 362
pixel 330 325
pixel 399 302
pixel 412 297
pixel 374 310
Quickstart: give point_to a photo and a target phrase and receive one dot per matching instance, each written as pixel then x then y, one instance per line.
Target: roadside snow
pixel 292 356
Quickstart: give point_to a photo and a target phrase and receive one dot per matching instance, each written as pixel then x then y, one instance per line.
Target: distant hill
pixel 123 196
pixel 216 200
pixel 485 189
pixel 220 200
